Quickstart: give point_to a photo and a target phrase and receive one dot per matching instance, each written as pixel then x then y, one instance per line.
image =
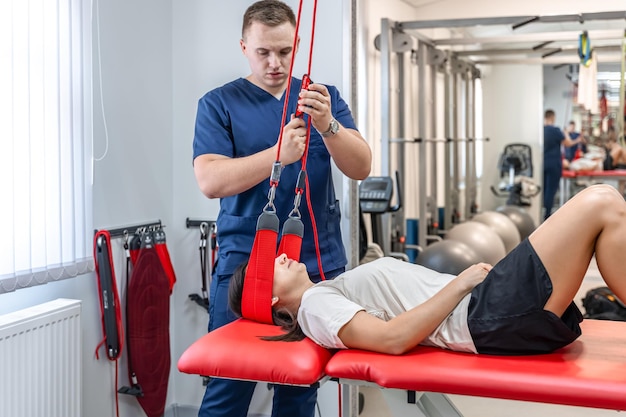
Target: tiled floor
pixel 375 406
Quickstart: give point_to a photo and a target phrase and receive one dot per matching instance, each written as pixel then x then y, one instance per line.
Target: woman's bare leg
pixel 593 221
pixel 618 153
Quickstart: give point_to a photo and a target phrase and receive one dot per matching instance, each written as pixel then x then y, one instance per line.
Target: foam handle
pixel 291 241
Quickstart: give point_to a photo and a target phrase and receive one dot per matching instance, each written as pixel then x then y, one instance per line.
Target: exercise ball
pixel 447 256
pixel 502 225
pixel 481 238
pixel 521 218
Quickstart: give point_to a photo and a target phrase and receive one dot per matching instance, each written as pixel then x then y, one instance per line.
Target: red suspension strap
pixel 110 307
pixel 257 291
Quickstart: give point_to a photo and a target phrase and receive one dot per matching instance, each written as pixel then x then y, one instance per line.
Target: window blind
pixel 45 141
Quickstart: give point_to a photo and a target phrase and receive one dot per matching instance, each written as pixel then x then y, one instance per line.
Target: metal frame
pixel 131 230
pixel 403 403
pixel 458 74
pixel 515 21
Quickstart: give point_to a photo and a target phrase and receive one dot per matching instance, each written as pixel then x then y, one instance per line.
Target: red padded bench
pixel 591 372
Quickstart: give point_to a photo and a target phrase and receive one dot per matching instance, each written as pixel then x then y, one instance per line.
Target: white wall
pixel 513 113
pixel 557 94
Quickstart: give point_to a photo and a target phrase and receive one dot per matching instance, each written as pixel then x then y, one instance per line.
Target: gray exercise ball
pixel 447 256
pixel 481 238
pixel 524 222
pixel 502 225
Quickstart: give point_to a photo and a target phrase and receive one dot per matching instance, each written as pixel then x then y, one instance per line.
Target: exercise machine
pixel 516 170
pixel 375 198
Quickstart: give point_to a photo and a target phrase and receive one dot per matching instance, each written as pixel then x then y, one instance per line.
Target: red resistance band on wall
pixel 110 309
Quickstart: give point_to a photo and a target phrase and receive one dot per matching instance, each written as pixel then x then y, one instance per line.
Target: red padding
pixel 608 173
pixel 590 372
pixel 257 287
pixel 235 351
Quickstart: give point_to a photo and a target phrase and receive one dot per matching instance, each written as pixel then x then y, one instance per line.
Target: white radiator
pixel 41 360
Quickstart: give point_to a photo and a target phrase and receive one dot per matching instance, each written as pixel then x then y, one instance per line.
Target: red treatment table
pixel 568 178
pixel 591 372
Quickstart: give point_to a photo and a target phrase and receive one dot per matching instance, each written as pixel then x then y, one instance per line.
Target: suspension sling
pixel 257 291
pixel 148 321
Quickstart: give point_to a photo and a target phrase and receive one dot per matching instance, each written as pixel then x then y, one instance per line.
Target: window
pixel 45 141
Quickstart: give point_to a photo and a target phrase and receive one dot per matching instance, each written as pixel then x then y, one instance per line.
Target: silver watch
pixel 333 128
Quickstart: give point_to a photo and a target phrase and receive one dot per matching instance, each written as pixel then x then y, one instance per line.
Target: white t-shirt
pixel 383 288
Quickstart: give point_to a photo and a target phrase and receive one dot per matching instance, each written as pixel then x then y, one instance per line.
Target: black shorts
pixel 506 315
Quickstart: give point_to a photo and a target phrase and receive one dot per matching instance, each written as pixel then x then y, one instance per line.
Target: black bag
pixel 601 304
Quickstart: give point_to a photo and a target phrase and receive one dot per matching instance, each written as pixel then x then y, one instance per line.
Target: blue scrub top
pixel 570 152
pixel 241 119
pixel 552 138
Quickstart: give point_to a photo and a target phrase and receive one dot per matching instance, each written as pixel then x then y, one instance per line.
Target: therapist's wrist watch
pixel 333 128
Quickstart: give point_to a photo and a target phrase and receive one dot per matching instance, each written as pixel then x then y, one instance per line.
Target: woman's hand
pixel 474 275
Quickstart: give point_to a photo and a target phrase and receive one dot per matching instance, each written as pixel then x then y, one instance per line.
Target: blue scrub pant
pixel 231 398
pixel 551 179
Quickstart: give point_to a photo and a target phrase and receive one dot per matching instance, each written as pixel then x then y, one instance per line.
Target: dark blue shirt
pixel 241 119
pixel 570 152
pixel 552 138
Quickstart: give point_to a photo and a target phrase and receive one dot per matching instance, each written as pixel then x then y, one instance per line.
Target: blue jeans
pixel 231 398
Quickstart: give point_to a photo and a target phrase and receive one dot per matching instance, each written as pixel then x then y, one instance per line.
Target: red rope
pixel 314 227
pixel 312 36
pixel 258 272
pixel 293 58
pixel 305 83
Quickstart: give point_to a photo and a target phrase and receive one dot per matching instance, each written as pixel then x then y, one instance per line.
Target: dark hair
pixel 549 113
pixel 281 316
pixel 268 12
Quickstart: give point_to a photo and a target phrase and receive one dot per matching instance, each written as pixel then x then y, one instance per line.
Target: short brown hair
pixel 549 113
pixel 268 12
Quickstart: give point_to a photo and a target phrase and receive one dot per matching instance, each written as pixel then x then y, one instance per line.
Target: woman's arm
pixel 408 329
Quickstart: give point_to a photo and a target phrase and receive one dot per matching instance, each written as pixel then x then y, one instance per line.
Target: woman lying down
pixel 522 305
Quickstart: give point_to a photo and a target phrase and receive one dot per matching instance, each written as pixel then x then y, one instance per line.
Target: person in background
pixel 234 148
pixel 580 148
pixel 553 139
pixel 615 153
